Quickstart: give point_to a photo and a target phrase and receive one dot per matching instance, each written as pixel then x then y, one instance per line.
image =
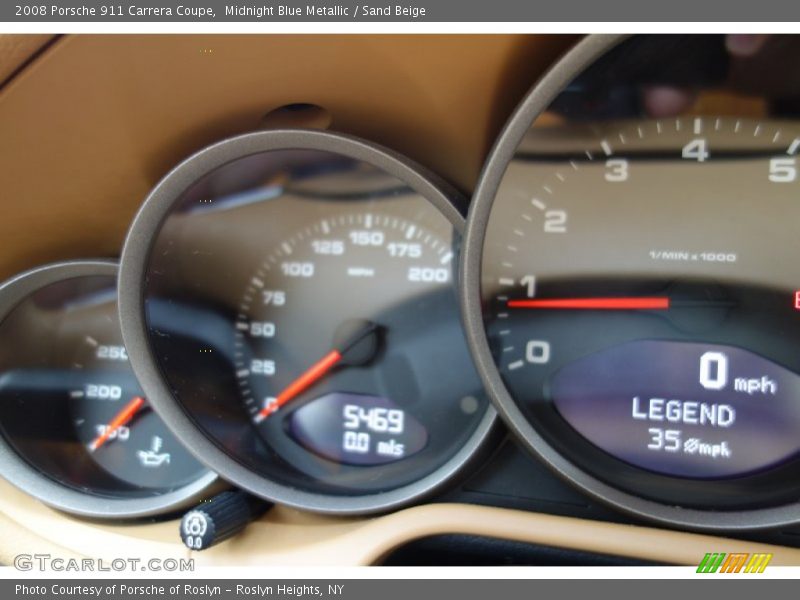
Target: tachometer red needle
pixel 314 373
pixel 122 417
pixel 625 303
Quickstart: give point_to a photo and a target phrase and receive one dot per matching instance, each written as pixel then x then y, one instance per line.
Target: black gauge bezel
pixel 543 93
pixel 21 474
pixel 133 271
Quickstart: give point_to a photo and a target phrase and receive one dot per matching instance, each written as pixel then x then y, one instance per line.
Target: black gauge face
pixel 389 299
pixel 638 276
pixel 311 294
pixel 70 404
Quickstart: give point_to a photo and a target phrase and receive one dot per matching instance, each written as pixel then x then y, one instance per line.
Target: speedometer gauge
pixel 307 280
pixel 632 283
pixel 77 430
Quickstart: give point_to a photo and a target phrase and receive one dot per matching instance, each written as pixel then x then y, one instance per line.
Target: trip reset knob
pixel 219 518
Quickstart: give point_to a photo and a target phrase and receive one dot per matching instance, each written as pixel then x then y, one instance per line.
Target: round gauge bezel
pixel 543 93
pixel 21 474
pixel 133 271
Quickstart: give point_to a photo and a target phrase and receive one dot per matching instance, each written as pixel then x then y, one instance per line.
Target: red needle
pixel 122 417
pixel 629 303
pixel 314 373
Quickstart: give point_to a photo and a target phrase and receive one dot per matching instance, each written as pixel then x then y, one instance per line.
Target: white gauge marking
pixel 446 258
pixel 538 204
pixel 257 282
pixel 326 229
pixel 242 326
pixel 410 231
pixel 76 394
pixel 243 373
pixel 360 272
pixel 286 248
pixel 698 126
pixel 91 341
pixel 506 281
pixel 606 148
pixel 794 147
pixel 516 365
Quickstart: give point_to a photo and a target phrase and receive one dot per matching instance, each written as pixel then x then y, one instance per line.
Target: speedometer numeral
pixel 298 269
pixel 367 238
pixel 273 297
pixel 428 274
pixel 262 366
pixel 264 329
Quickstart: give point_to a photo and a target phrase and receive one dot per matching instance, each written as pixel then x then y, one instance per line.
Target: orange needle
pixel 307 379
pixel 123 416
pixel 633 303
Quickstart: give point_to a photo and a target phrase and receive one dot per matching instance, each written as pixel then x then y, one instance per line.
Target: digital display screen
pixel 683 409
pixel 357 429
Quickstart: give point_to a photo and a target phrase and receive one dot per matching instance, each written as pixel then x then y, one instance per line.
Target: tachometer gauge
pixel 77 430
pixel 307 281
pixel 631 278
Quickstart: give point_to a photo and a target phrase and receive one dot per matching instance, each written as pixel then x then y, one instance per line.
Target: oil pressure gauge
pixel 77 430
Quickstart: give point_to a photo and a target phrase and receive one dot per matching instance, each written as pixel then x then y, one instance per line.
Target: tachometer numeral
pixel 697 150
pixel 529 281
pixel 783 170
pixel 555 221
pixel 537 352
pixel 616 170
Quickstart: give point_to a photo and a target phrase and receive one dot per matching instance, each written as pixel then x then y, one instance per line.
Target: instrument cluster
pixel 323 323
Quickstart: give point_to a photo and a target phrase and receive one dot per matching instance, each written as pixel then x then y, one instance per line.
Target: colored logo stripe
pixel 734 563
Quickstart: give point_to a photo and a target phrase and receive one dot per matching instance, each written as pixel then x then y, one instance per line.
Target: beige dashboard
pixel 90 123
